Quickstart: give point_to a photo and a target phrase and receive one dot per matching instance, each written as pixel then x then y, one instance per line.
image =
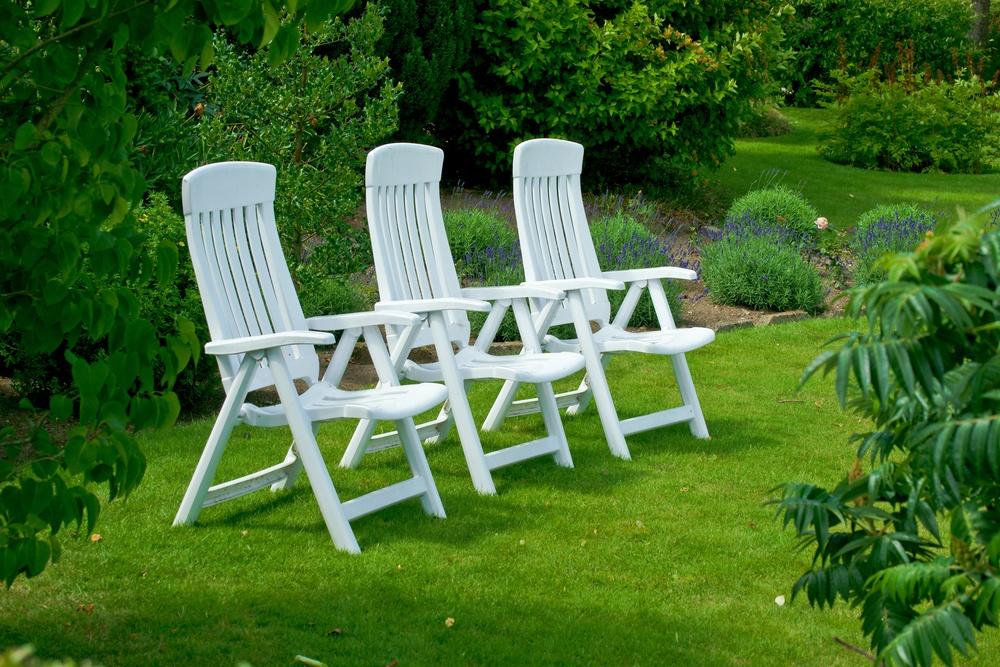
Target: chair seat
pixel 323 401
pixel 612 339
pixel 475 364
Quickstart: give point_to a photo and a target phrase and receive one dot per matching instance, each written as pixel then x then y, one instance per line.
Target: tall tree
pixel 980 31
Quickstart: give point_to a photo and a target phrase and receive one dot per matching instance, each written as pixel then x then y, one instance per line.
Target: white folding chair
pixel 416 273
pixel 260 338
pixel 558 252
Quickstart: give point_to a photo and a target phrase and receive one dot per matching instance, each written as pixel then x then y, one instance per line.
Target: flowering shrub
pixel 777 206
pixel 759 264
pixel 887 230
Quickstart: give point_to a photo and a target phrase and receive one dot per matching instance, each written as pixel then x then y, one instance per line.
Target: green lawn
pixel 670 559
pixel 842 193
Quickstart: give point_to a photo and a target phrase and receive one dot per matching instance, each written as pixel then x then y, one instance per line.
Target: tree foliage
pixel 335 102
pixel 428 45
pixel 655 90
pixel 914 540
pixel 67 245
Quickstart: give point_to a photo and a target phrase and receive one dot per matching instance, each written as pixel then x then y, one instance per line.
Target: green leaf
pixel 25 136
pixel 283 45
pixel 60 407
pixel 72 11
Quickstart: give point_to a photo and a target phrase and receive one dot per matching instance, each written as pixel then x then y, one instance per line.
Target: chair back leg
pixel 686 385
pixel 553 424
pixel 417 459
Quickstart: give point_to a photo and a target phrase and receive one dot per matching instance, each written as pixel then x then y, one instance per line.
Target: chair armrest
pixel 568 284
pixel 522 291
pixel 268 341
pixel 431 305
pixel 632 275
pixel 359 320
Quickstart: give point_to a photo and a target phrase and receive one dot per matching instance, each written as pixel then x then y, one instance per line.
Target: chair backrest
pixel 551 221
pixel 412 257
pixel 242 275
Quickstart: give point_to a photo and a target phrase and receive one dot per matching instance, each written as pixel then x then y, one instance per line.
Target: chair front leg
pixel 194 497
pixel 699 428
pixel 597 380
pixel 312 459
pixel 461 411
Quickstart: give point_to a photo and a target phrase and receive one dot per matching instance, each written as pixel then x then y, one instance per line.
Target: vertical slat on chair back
pixel 551 221
pixel 412 258
pixel 242 275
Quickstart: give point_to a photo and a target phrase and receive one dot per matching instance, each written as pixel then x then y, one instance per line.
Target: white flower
pixel 822 223
pixel 780 600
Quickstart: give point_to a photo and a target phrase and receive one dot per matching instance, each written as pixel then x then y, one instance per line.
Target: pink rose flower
pixel 822 223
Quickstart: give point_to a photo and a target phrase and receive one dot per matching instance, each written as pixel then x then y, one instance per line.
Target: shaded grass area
pixel 842 193
pixel 669 559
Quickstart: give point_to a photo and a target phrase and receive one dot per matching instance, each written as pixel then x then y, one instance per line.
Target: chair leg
pixel 461 411
pixel 417 459
pixel 312 459
pixel 292 475
pixel 358 444
pixel 494 420
pixel 686 385
pixel 553 424
pixel 208 463
pixel 598 381
pixel 583 402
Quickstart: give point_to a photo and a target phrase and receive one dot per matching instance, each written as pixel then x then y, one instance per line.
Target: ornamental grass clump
pixel 759 264
pixel 887 229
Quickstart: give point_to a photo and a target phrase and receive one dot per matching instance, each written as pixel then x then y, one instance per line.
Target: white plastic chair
pixel 558 252
pixel 260 338
pixel 416 273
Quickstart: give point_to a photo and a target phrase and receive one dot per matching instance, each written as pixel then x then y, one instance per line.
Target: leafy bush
pixel 827 35
pixel 339 294
pixel 655 90
pixel 778 205
pixel 910 535
pixel 176 304
pixel 427 44
pixel 887 229
pixel 760 265
pixel 68 244
pixel 910 122
pixel 765 120
pixel 314 116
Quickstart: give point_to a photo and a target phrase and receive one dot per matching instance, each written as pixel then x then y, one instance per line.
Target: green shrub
pixel 908 122
pixel 171 305
pixel 339 294
pixel 887 229
pixel 472 230
pixel 827 35
pixel 655 90
pixel 765 120
pixel 622 243
pixel 314 117
pixel 778 205
pixel 908 537
pixel 758 273
pixel 427 44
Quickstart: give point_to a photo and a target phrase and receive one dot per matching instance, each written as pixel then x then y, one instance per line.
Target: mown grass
pixel 672 558
pixel 842 193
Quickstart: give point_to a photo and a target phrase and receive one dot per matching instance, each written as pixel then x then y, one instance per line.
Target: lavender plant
pixel 620 240
pixel 761 264
pixel 887 229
